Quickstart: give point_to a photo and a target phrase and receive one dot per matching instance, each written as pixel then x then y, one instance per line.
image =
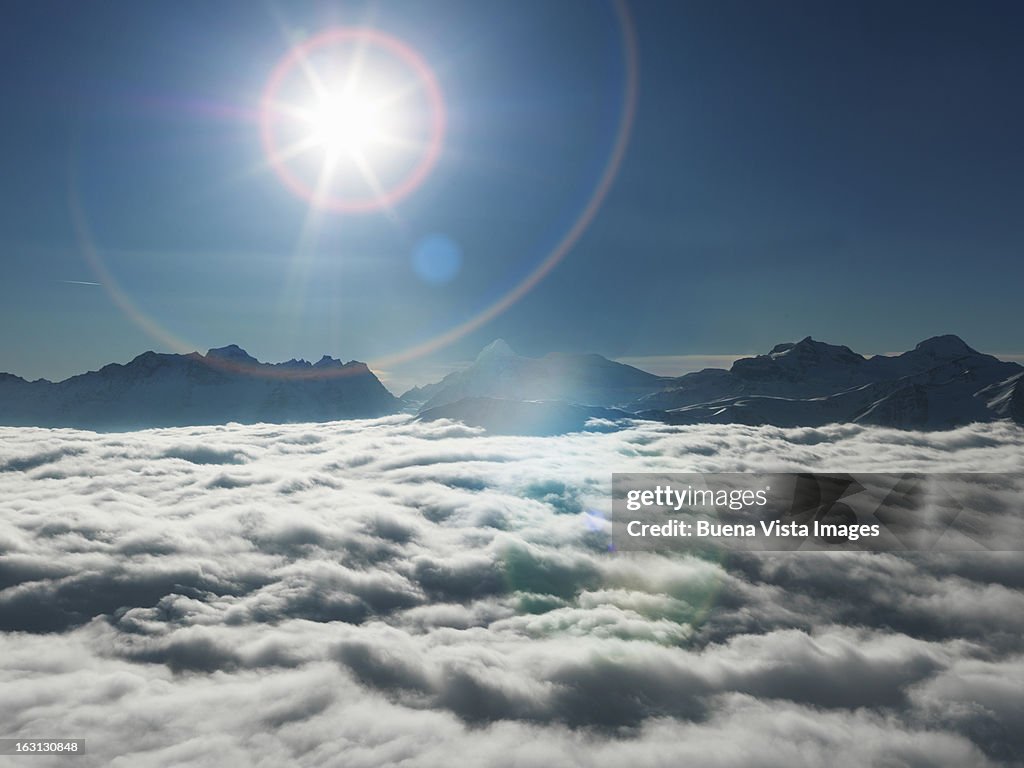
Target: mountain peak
pixel 810 350
pixel 327 362
pixel 498 348
pixel 233 353
pixel 946 346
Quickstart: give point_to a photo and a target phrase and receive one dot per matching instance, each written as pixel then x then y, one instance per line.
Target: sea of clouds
pixel 391 592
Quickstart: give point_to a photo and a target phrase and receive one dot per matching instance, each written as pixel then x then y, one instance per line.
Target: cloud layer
pixel 391 592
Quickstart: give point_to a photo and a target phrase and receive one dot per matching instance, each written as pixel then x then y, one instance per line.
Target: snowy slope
pixel 942 383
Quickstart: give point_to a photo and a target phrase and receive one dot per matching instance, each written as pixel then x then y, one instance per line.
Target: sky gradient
pixel 847 171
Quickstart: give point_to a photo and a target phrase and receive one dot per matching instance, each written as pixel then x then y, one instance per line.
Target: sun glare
pixel 352 120
pixel 347 124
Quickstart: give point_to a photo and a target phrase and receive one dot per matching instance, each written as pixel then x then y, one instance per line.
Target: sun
pixel 351 124
pixel 352 120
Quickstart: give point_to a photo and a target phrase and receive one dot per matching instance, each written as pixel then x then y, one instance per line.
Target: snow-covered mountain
pixel 1006 398
pixel 499 373
pixel 939 384
pixel 226 384
pixel 810 368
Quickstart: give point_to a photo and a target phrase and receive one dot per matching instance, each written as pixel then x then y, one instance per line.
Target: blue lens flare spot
pixel 595 520
pixel 437 259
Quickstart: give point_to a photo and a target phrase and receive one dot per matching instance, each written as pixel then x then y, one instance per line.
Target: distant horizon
pixel 422 372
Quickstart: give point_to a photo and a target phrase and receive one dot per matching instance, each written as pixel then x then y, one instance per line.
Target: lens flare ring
pixel 574 232
pixel 92 256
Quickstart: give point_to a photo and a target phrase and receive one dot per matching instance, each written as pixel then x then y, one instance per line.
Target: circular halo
pixel 153 328
pixel 576 229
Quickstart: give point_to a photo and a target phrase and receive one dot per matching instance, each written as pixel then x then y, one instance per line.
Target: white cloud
pixel 368 593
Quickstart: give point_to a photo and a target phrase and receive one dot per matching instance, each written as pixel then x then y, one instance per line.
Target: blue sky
pixel 851 171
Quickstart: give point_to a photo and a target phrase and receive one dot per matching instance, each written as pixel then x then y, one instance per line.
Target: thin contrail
pixel 79 282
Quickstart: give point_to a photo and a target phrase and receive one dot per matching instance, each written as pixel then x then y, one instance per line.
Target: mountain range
pixel 226 384
pixel 941 383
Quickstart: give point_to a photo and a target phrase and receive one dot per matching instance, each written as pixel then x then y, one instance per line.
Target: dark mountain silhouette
pixel 941 383
pixel 226 384
pixel 500 373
